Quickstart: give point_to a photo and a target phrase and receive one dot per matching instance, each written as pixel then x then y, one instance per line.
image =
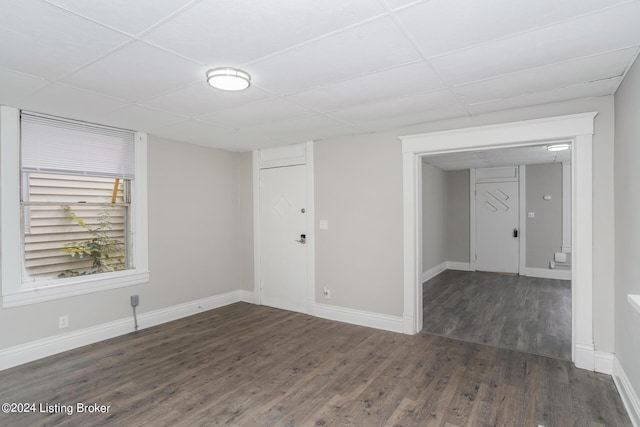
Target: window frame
pixel 14 291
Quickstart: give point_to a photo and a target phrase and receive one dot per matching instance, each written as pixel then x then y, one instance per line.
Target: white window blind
pixel 54 145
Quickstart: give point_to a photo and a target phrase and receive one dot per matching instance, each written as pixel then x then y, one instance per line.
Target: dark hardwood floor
pixel 515 312
pixel 246 365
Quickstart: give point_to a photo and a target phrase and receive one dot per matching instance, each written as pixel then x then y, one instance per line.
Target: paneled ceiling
pixel 530 155
pixel 319 68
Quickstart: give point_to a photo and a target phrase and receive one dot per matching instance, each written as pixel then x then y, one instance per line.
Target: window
pixel 73 207
pixel 74 225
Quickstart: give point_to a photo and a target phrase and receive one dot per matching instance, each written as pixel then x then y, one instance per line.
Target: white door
pixel 497 227
pixel 283 250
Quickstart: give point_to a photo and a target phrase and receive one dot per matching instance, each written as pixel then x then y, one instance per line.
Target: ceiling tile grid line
pixel 132 38
pixel 250 26
pixel 359 76
pixel 319 70
pixel 415 44
pixel 540 67
pixel 549 77
pixel 533 29
pixel 634 59
pixel 135 35
pixel 315 39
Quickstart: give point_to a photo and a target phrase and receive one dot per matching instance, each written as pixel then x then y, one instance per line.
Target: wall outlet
pixel 327 293
pixel 135 300
pixel 63 321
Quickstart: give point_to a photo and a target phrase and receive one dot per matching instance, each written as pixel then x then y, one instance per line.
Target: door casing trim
pixel 290 155
pixel 578 128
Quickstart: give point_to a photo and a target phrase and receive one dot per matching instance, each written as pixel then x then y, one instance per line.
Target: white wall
pixel 194 250
pixel 434 217
pixel 363 256
pixel 627 228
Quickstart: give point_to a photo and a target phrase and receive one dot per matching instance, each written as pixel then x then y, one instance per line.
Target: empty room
pixel 296 213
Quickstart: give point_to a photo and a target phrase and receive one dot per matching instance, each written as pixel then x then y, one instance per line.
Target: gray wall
pixel 193 245
pixel 458 216
pixel 544 232
pixel 627 228
pixel 245 221
pixel 434 216
pixel 359 189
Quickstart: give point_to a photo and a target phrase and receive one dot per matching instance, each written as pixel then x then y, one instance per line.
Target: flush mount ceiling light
pixel 227 78
pixel 559 147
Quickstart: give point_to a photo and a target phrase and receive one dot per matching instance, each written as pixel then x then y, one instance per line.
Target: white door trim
pixel 473 258
pixel 290 155
pixel 579 129
pixel 522 175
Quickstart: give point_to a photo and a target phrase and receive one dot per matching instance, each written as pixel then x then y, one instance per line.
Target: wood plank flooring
pixel 515 312
pixel 246 365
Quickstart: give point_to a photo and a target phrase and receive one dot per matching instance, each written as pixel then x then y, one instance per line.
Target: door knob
pixel 515 232
pixel 303 239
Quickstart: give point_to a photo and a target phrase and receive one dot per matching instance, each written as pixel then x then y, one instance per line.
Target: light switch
pixel 531 214
pixel 324 224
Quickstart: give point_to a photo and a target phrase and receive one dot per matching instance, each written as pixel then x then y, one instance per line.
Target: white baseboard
pixel 359 317
pixel 460 266
pixel 603 362
pixel 584 356
pixel 627 392
pixel 408 324
pixel 246 296
pixel 34 350
pixel 433 272
pixel 547 273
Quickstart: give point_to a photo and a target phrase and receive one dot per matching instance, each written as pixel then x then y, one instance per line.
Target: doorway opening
pixel 578 129
pixel 481 211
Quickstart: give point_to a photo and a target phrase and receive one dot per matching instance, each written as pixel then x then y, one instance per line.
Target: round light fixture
pixel 558 147
pixel 227 78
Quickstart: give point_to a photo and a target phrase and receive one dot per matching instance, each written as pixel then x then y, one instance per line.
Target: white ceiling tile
pixel 138 118
pixel 588 90
pixel 40 39
pixel 395 122
pixel 132 17
pixel 310 125
pixel 396 4
pixel 393 83
pixel 440 26
pixel 549 77
pixel 137 71
pixel 195 131
pixel 233 32
pixel 256 113
pixel 200 98
pixel 363 49
pixel 318 134
pixel 320 69
pixel 71 102
pixel 437 100
pixel 15 86
pixel 577 38
pixel 530 155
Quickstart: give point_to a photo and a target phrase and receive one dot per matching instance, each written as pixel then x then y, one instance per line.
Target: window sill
pixel 634 300
pixel 53 290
